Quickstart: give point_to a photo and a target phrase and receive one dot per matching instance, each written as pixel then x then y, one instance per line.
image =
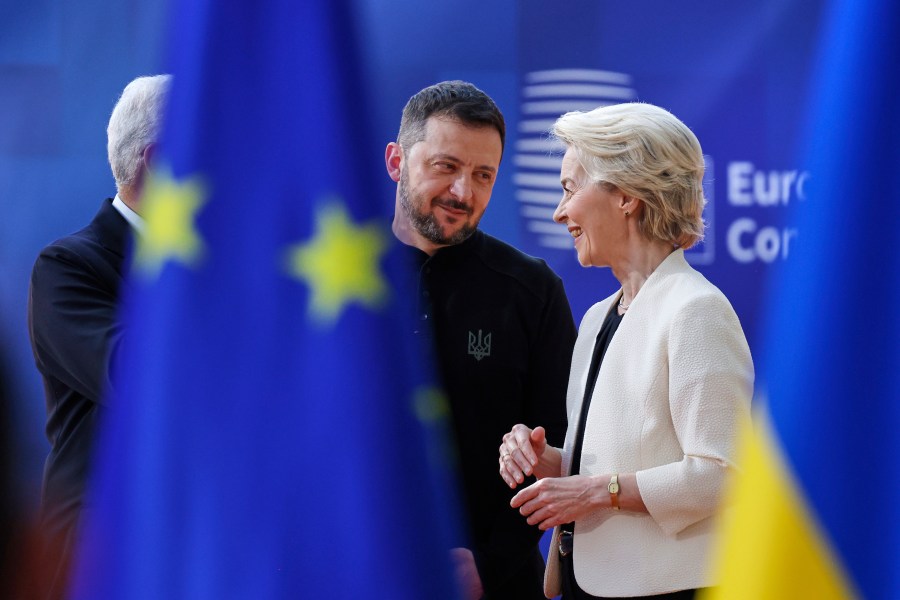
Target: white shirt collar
pixel 132 217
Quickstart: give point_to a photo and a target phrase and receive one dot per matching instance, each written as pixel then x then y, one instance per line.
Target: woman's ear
pixel 630 205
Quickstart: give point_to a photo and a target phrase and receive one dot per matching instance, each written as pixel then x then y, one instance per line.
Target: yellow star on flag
pixel 169 209
pixel 432 409
pixel 340 264
pixel 430 405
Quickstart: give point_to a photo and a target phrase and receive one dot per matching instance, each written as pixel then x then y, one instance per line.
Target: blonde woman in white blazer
pixel 633 502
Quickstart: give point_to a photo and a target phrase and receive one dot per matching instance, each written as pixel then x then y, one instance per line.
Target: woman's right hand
pixel 524 452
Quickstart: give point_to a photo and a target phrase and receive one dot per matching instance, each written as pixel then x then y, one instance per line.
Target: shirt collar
pixel 132 217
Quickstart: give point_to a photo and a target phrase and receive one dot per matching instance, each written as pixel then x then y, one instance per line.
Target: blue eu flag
pixel 817 505
pixel 274 434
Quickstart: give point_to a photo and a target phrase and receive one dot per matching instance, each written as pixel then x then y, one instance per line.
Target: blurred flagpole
pixel 275 433
pixel 816 512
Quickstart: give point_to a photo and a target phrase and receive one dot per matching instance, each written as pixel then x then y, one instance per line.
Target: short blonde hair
pixel 649 154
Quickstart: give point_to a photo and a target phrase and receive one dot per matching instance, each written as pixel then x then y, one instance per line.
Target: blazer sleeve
pixel 710 388
pixel 512 539
pixel 73 320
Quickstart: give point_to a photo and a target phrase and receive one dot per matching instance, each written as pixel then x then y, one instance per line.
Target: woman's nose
pixel 559 215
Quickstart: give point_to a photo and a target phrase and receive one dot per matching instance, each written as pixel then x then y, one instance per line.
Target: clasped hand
pixel 520 454
pixel 553 500
pixel 556 500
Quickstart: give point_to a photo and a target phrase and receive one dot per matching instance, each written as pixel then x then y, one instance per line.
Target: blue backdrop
pixel 737 73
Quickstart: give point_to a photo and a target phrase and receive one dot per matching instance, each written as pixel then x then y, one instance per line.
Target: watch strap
pixel 613 489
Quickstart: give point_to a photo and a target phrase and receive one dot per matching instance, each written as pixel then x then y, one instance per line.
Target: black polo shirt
pixel 503 334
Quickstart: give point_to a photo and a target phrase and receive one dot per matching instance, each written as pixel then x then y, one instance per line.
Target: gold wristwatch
pixel 613 488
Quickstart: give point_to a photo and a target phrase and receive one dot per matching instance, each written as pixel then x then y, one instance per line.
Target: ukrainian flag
pixel 275 433
pixel 817 510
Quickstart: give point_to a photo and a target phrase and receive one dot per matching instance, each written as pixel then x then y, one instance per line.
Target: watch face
pixel 613 488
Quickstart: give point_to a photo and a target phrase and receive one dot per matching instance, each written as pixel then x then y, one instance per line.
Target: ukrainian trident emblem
pixel 479 346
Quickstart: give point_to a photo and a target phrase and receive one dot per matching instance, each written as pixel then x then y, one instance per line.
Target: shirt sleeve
pixel 710 388
pixel 551 360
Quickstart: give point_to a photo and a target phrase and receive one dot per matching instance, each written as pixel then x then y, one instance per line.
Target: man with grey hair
pixel 75 331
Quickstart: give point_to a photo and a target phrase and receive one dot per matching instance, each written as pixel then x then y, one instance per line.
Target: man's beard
pixel 427 224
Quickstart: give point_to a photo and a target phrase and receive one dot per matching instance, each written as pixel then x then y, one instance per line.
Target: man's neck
pixel 129 196
pixel 133 218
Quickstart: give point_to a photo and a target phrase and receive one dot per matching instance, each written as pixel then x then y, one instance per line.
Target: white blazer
pixel 674 383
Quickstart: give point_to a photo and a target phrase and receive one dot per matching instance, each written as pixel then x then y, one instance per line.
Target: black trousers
pixel 527 583
pixel 571 591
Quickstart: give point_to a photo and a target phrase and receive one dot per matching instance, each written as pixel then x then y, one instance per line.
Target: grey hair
pixel 649 154
pixel 134 125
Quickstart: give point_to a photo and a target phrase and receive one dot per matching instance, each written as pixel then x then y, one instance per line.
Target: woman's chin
pixel 584 261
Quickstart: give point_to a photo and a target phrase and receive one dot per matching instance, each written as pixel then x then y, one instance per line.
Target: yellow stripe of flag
pixel 769 546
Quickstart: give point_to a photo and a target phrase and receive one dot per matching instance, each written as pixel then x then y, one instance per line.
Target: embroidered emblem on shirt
pixel 479 346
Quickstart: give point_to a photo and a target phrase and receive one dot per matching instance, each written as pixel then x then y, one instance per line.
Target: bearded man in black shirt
pixel 502 326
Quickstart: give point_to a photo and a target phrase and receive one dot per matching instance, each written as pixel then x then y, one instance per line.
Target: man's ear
pixel 148 156
pixel 393 159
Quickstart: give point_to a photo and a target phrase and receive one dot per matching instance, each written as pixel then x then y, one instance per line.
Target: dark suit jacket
pixel 75 335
